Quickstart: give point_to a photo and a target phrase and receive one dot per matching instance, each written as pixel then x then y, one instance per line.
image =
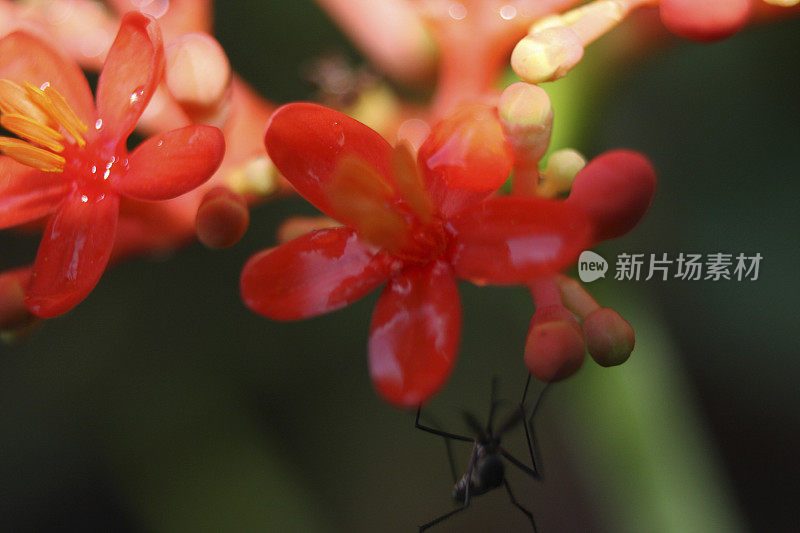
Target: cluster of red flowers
pixel 416 216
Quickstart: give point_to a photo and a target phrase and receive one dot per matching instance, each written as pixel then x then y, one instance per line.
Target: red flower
pixel 77 164
pixel 417 224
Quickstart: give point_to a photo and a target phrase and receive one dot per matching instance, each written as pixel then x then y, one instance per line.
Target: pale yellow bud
pixel 197 73
pixel 547 55
pixel 562 166
pixel 527 117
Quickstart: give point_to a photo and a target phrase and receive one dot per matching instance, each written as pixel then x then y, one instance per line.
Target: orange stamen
pixel 33 131
pixel 51 101
pixel 14 100
pixel 31 156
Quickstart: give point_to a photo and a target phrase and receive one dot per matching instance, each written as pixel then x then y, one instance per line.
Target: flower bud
pixel 527 118
pixel 547 55
pixel 198 75
pixel 709 20
pixel 615 190
pixel 13 313
pixel 562 167
pixel 222 218
pixel 554 349
pixel 609 337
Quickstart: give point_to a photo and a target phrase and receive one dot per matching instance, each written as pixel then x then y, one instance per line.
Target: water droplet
pixel 94 169
pixel 136 95
pixel 84 198
pixel 106 174
pixel 457 11
pixel 508 12
pixel 160 143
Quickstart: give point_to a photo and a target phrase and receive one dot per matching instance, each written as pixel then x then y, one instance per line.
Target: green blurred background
pixel 162 404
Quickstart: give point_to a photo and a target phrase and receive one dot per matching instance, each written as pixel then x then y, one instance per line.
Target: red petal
pixel 465 158
pixel 26 193
pixel 614 190
pixel 313 274
pixel 130 75
pixel 308 142
pixel 24 57
pixel 171 164
pixel 415 334
pixel 514 239
pixel 73 254
pixel 709 20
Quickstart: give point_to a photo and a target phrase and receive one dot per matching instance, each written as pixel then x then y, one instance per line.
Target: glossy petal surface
pixel 24 57
pixel 465 158
pixel 515 239
pixel 171 164
pixel 313 274
pixel 416 327
pixel 73 254
pixel 26 193
pixel 130 75
pixel 309 143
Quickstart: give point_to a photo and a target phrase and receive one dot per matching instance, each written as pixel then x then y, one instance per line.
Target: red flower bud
pixel 615 190
pixel 222 218
pixel 609 337
pixel 555 348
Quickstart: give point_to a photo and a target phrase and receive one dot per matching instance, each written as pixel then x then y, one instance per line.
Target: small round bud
pixel 257 177
pixel 562 167
pixel 13 313
pixel 222 218
pixel 609 337
pixel 547 55
pixel 554 349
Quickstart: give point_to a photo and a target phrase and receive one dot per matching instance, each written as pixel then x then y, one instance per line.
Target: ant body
pixel 486 468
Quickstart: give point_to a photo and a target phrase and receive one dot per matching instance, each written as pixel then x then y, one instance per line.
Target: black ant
pixel 486 470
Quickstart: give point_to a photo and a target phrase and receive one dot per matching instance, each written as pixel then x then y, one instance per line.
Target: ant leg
pixel 445 516
pixel 519 464
pixel 446 437
pixel 518 505
pixel 444 434
pixel 442 518
pixel 528 433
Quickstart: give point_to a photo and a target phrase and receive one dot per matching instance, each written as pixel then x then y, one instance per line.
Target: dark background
pixel 160 403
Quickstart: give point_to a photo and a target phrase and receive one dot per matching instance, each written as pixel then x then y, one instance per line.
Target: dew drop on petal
pixel 84 198
pixel 98 124
pixel 508 12
pixel 136 95
pixel 457 11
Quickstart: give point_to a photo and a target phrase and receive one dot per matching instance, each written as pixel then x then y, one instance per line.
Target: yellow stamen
pixel 31 156
pixel 57 108
pixel 33 131
pixel 14 100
